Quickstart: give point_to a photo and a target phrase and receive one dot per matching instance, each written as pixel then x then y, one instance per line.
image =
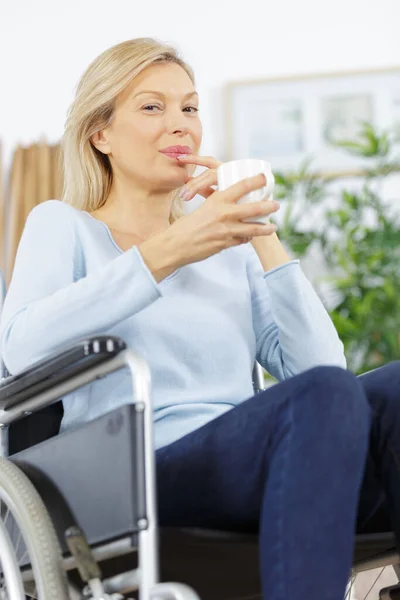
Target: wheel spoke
pixel 367 595
pixel 11 573
pixel 25 555
pixel 6 517
pixel 372 586
pixel 17 546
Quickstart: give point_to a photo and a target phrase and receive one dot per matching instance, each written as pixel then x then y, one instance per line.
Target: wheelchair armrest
pixel 49 373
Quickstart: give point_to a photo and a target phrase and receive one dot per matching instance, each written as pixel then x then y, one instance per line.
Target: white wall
pixel 46 44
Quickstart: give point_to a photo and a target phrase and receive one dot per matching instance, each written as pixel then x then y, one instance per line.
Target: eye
pixel 151 108
pixel 191 109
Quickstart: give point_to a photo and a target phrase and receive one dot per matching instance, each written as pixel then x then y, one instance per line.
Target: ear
pixel 100 141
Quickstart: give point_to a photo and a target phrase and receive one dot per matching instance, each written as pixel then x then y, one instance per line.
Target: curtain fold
pixel 2 212
pixel 35 176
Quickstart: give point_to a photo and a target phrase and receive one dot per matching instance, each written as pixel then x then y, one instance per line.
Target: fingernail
pixel 277 204
pixel 181 156
pixel 185 193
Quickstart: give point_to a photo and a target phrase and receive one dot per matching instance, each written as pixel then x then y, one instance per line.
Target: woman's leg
pixel 288 463
pixel 382 388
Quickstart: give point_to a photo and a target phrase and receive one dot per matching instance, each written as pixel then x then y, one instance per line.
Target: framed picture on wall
pixel 287 120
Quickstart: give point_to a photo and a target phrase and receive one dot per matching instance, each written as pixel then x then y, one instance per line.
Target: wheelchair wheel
pixel 30 554
pixel 371 585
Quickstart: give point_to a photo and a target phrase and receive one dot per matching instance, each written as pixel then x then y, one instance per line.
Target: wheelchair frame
pixel 148 546
pixel 146 577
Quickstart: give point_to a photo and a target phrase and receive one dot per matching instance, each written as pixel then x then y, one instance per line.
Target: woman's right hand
pixel 216 225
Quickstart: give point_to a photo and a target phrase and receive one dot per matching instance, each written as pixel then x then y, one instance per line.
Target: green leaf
pixel 357 231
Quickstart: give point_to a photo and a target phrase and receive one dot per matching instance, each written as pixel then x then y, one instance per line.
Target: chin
pixel 174 180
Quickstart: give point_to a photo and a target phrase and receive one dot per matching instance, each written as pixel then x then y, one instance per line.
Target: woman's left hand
pixel 201 184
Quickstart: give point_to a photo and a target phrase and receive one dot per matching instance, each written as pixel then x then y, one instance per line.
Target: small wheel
pixel 372 582
pixel 27 537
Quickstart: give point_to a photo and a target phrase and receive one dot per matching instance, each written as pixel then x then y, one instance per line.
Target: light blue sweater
pixel 200 329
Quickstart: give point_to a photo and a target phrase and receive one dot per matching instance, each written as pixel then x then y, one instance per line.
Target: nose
pixel 180 131
pixel 176 122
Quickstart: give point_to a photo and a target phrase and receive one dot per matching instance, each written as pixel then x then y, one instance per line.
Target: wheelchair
pixel 78 516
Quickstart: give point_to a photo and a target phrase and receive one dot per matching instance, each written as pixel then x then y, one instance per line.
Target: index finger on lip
pixel 202 161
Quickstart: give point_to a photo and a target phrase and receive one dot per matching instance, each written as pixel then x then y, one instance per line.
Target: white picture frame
pixel 289 119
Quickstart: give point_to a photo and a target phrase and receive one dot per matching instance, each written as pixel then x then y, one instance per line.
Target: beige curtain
pixel 2 223
pixel 35 177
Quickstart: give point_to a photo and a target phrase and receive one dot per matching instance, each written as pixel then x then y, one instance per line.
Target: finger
pixel 196 184
pixel 201 161
pixel 205 193
pixel 248 210
pixel 208 177
pixel 250 230
pixel 243 187
pixel 239 241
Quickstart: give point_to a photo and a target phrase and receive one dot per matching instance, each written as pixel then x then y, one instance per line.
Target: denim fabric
pixel 381 485
pixel 289 464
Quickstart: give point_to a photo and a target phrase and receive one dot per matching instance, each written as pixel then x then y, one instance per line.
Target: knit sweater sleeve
pixel 50 304
pixel 294 332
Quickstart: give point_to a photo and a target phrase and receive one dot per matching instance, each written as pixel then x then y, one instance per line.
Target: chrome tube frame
pixel 141 384
pixel 100 553
pixel 258 378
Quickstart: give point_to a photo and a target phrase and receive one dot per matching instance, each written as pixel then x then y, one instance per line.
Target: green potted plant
pixel 355 231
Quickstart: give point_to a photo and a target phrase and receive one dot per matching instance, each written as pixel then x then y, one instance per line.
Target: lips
pixel 175 151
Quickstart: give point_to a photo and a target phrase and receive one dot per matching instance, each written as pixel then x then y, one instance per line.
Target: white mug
pixel 231 172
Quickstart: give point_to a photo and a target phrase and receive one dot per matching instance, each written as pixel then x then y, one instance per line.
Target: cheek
pixel 123 138
pixel 197 134
pixel 133 137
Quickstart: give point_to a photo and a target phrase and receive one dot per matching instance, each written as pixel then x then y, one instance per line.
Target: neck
pixel 132 209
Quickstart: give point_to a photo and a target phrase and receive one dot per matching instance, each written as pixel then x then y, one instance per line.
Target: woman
pixel 199 296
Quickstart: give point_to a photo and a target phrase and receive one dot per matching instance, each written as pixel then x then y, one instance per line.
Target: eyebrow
pixel 161 94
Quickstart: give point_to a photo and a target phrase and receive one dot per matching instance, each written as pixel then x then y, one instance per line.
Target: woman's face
pixel 155 120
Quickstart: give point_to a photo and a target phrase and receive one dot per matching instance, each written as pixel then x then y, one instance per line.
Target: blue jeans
pixel 289 464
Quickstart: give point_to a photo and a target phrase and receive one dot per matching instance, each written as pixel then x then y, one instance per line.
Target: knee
pixel 330 413
pixel 337 396
pixel 382 388
pixel 333 379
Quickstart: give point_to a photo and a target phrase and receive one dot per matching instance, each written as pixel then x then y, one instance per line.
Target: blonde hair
pixel 87 171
